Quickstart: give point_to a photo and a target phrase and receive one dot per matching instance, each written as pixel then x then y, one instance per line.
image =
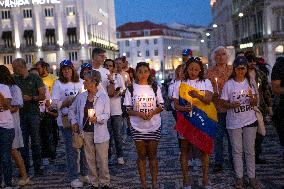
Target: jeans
pixel 30 124
pixel 243 139
pixel 72 155
pixel 6 140
pixel 219 141
pixel 115 126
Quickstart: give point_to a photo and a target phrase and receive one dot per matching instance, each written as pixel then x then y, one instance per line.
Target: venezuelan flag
pixel 200 128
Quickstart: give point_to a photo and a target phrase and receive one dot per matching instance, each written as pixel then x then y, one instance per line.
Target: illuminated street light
pixel 124 54
pixel 130 39
pixel 202 41
pixel 100 23
pixel 207 34
pixel 241 14
pixel 214 25
pixel 169 47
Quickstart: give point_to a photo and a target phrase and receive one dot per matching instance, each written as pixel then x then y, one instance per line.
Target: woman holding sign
pixel 89 114
pixel 144 103
pixel 196 122
pixel 239 98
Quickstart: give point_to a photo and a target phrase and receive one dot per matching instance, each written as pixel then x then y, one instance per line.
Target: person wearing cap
pixel 259 81
pixel 239 97
pixel 64 92
pixel 33 91
pixel 85 68
pixel 186 54
pixel 218 74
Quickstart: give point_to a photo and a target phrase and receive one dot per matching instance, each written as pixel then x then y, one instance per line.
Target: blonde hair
pixel 213 54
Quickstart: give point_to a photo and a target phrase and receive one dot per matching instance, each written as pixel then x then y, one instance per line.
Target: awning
pixel 71 31
pixel 28 33
pixel 6 34
pixel 49 32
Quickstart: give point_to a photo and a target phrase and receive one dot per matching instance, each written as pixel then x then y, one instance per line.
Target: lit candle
pixel 258 84
pixel 50 101
pixel 190 113
pixel 217 87
pixel 83 89
pixel 54 69
pixel 242 92
pixel 91 113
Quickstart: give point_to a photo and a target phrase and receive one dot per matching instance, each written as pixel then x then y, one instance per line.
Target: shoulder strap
pixel 130 89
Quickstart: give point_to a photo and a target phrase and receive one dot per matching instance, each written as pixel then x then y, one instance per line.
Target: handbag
pixel 261 126
pixel 77 140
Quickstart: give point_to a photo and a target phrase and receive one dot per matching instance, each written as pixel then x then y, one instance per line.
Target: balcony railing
pixel 278 34
pixel 5 49
pixel 50 47
pixel 28 48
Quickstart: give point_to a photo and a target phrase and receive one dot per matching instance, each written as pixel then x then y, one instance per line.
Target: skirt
pixel 138 136
pixel 18 140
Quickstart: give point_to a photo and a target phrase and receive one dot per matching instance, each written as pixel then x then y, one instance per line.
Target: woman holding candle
pixel 64 91
pixel 194 76
pixel 89 115
pixel 144 103
pixel 239 97
pixel 218 74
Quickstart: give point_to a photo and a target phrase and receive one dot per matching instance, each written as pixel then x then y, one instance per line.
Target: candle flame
pixel 91 112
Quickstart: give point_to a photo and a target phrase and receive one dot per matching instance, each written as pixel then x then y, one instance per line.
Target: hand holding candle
pixel 217 86
pixel 190 113
pixel 91 113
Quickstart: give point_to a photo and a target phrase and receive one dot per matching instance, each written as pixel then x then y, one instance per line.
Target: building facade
pixel 159 45
pixel 56 29
pixel 259 26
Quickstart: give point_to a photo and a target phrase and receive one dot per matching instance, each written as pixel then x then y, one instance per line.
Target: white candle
pixel 91 113
pixel 190 113
pixel 217 87
pixel 83 89
pixel 258 84
pixel 242 92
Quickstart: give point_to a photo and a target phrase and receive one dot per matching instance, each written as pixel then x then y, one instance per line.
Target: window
pixel 127 43
pixel 48 12
pixel 6 14
pixel 8 59
pixel 29 37
pixel 147 41
pixel 29 58
pixel 147 53
pixel 139 54
pixel 50 36
pixel 117 35
pixel 127 54
pixel 27 13
pixel 156 52
pixel 72 35
pixel 155 41
pixel 280 23
pixel 7 38
pixel 70 10
pixel 138 42
pixel 146 33
pixel 73 56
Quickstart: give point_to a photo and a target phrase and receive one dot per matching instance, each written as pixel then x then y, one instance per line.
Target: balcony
pixel 277 34
pixel 72 46
pixel 5 49
pixel 28 48
pixel 50 47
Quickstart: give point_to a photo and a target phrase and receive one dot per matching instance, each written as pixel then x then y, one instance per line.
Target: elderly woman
pixel 218 75
pixel 89 114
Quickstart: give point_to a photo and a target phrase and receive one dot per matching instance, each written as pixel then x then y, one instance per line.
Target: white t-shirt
pixel 62 91
pixel 104 75
pixel 115 102
pixel 203 85
pixel 144 100
pixel 6 118
pixel 244 115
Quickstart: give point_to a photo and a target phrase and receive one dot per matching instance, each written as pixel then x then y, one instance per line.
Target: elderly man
pixel 33 91
pixel 218 75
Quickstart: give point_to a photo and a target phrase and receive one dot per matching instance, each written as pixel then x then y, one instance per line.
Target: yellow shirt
pixel 49 81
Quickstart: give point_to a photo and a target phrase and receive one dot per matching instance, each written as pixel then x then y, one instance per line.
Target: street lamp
pixel 241 14
pixel 202 41
pixel 207 34
pixel 169 47
pixel 214 25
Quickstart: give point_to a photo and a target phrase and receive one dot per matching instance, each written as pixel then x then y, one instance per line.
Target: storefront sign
pixel 246 45
pixel 18 3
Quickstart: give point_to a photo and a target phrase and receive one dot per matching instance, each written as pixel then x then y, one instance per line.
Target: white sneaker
pixel 85 179
pixel 187 187
pixel 76 183
pixel 120 161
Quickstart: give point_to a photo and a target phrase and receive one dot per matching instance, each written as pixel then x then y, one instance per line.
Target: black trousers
pixel 278 121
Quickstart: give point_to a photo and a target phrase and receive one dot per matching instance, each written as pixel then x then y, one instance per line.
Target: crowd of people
pixel 93 106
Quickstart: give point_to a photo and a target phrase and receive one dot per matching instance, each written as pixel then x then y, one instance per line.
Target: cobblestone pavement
pixel 270 175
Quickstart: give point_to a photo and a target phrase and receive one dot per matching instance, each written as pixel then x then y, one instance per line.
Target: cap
pixel 86 65
pixel 240 61
pixel 187 52
pixel 67 63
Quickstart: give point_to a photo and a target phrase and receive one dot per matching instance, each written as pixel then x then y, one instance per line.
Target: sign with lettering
pixel 18 3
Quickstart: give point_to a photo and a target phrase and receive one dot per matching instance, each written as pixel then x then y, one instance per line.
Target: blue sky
pixel 196 12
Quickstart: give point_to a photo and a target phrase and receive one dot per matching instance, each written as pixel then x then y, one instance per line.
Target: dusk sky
pixel 196 12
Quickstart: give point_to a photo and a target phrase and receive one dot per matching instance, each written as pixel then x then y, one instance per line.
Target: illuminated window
pixel 70 10
pixel 73 56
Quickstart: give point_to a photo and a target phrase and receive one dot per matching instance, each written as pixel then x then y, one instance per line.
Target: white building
pixel 56 29
pixel 158 44
pixel 259 26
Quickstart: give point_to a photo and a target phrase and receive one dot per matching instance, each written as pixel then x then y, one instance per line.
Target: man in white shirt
pixel 98 57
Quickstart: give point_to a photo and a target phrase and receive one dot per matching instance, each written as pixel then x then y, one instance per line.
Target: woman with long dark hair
pixel 64 92
pixel 239 97
pixel 144 103
pixel 16 103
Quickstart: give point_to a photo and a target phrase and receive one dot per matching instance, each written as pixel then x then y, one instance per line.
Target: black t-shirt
pixel 87 127
pixel 29 86
pixel 278 74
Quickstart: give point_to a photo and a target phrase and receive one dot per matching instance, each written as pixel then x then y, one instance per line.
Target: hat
pixel 86 65
pixel 240 61
pixel 187 52
pixel 67 63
